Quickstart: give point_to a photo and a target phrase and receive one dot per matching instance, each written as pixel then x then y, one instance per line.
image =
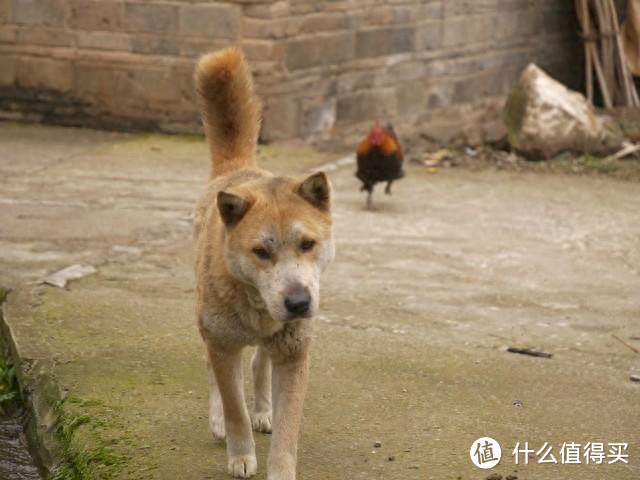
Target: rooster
pixel 379 160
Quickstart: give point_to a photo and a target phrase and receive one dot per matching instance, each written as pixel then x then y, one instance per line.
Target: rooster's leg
pixel 388 189
pixel 369 200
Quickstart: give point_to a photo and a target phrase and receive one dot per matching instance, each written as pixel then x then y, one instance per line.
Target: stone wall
pixel 325 68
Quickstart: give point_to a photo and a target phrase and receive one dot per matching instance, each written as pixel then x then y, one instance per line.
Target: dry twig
pixel 530 352
pixel 631 347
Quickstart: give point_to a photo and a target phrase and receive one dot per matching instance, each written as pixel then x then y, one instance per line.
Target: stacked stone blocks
pixel 326 69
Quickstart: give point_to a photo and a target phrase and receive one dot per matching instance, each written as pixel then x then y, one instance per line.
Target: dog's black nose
pixel 298 300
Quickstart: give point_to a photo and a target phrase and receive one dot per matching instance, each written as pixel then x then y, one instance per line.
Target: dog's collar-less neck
pixel 255 299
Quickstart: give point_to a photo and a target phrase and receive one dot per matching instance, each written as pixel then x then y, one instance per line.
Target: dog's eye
pixel 307 245
pixel 262 253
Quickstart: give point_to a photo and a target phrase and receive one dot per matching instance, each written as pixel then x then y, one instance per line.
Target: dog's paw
pixel 216 425
pixel 261 421
pixel 243 466
pixel 281 475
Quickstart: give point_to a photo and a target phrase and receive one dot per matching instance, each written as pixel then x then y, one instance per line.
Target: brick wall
pixel 325 68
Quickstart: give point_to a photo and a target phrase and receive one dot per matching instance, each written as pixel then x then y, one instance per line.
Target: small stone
pixel 512 477
pixel 494 476
pixel 377 445
pixel 635 378
pixel 391 458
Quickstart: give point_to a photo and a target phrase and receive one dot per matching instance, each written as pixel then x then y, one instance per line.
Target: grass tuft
pixel 9 390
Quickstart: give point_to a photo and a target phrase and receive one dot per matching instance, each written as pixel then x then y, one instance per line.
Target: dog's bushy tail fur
pixel 230 110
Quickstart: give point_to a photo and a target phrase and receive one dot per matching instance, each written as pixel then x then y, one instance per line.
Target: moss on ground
pixel 65 472
pixel 88 454
pixel 9 393
pixel 9 390
pixel 587 164
pixel 95 432
pixel 598 164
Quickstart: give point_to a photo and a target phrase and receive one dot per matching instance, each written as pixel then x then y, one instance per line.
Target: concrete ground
pixel 425 295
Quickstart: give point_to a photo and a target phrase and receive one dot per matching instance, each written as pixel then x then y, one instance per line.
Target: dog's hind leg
pixel 261 368
pixel 289 387
pixel 241 451
pixel 216 413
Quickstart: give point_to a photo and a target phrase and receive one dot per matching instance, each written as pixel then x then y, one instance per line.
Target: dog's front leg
pixel 216 413
pixel 227 367
pixel 261 367
pixel 289 387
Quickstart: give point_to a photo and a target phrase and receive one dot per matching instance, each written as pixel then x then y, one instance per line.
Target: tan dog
pixel 261 243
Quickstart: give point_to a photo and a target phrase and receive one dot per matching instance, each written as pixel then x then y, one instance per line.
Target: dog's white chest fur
pixel 257 317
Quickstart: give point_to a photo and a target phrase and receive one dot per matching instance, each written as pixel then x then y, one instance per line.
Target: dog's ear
pixel 316 190
pixel 232 207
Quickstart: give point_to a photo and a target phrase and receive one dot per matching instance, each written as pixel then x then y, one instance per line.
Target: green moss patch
pixel 82 432
pixel 9 390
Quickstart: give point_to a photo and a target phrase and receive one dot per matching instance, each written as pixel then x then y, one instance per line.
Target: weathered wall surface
pixel 325 68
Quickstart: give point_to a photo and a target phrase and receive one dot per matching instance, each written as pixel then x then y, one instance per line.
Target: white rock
pixel 544 118
pixel 61 277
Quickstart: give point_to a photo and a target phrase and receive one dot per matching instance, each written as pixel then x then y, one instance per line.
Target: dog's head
pixel 278 240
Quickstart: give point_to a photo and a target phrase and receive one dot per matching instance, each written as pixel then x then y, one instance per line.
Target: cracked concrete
pixel 424 297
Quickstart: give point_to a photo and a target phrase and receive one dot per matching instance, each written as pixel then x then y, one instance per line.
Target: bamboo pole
pixel 590 47
pixel 631 93
pixel 606 53
pixel 583 16
pixel 607 95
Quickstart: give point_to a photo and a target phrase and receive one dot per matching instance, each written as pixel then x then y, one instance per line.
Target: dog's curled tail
pixel 230 110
